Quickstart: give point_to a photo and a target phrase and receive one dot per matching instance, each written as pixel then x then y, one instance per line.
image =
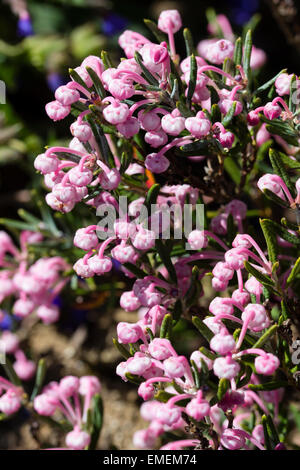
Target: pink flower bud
pixel 169 20
pixel 110 180
pixel 197 356
pixel 69 385
pixel 45 404
pixel 10 341
pixel 82 269
pixel 185 65
pixel 167 415
pixel 267 364
pixel 197 240
pixel 156 138
pixel 129 302
pixel 241 297
pixel 226 139
pixel 121 89
pixel 173 124
pixel 154 56
pixel 81 131
pixel 214 325
pixel 272 111
pixel 262 135
pixel 252 118
pixel 116 113
pixel 254 286
pixel 66 96
pixel 124 254
pixel 129 332
pixel 146 391
pixel 159 348
pixel 260 319
pixel 232 440
pixel 23 307
pixel 89 384
pixel 241 241
pixel 57 205
pixel 143 439
pixel 258 433
pixel 129 128
pixel 77 440
pixel 85 241
pixel 271 183
pixel 10 402
pixel 198 408
pixel 282 84
pixel 218 285
pixel 100 265
pixel 223 271
pixel 64 192
pixel 258 58
pixel 218 305
pixel 218 51
pixel 175 367
pixel 223 342
pixel 235 258
pixel 24 368
pixel 157 163
pixel 226 104
pixel 57 111
pixel 219 224
pixel 226 367
pixel 138 364
pixel 198 126
pixel 144 239
pixel 48 314
pixel 46 163
pixel 149 121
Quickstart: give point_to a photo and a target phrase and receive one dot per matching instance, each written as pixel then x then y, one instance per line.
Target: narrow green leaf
pixel 122 350
pixel 266 433
pixel 106 60
pixel 151 197
pixel 247 54
pixel 97 421
pixel 166 326
pixel 204 330
pixel 279 168
pixel 99 88
pixel 39 378
pixel 148 75
pixel 294 272
pixel 189 44
pixel 271 240
pixel 10 372
pixel 268 386
pixel 193 78
pixel 268 84
pixel 159 35
pixel 238 51
pixel 224 385
pixel 76 77
pixel 229 115
pixel 266 336
pixel 262 278
pixel 166 259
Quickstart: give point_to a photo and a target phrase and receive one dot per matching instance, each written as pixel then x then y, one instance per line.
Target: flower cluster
pixel 71 397
pixel 169 132
pixel 34 286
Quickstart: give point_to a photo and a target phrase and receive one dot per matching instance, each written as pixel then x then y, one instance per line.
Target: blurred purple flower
pixel 113 24
pixel 25 26
pixel 55 80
